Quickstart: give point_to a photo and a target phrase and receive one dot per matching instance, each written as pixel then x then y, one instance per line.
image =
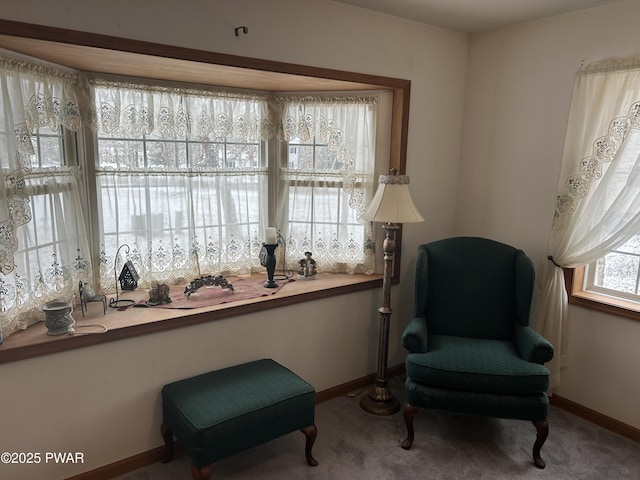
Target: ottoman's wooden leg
pixel 311 432
pixel 202 473
pixel 167 435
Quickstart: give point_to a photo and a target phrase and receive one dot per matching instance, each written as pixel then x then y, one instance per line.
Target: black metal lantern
pixel 128 277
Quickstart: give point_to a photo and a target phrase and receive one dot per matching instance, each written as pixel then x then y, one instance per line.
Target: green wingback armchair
pixel 471 350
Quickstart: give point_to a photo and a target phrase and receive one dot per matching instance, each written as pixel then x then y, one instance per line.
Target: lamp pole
pixel 379 400
pixel 391 205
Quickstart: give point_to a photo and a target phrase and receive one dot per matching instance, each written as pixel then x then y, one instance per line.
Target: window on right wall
pixel 618 273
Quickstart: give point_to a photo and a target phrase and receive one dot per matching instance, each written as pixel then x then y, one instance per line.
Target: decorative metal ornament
pixel 128 279
pixel 208 281
pixel 129 276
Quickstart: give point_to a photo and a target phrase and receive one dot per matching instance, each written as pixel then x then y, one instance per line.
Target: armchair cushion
pixel 524 407
pixel 476 365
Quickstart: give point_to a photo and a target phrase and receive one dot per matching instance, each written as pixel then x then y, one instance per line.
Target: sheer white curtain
pixel 43 242
pixel 598 206
pixel 328 180
pixel 182 180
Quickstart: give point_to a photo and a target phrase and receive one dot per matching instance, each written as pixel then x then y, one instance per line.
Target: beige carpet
pixel 353 445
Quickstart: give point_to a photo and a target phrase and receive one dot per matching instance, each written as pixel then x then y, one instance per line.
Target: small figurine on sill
pixel 88 295
pixel 159 295
pixel 307 267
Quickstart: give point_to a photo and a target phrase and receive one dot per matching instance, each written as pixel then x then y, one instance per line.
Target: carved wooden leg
pixel 167 435
pixel 409 412
pixel 202 473
pixel 542 429
pixel 311 432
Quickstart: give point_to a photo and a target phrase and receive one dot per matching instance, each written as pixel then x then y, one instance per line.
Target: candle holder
pixel 268 260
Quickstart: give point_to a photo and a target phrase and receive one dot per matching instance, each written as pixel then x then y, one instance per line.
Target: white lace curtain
pixel 328 181
pixel 181 180
pixel 42 235
pixel 598 206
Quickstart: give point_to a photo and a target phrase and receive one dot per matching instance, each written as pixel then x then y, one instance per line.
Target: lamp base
pixel 378 401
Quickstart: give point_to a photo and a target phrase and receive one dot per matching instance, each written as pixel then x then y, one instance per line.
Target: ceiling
pixel 473 16
pixel 461 15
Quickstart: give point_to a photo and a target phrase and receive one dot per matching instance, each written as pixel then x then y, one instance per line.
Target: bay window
pixel 188 178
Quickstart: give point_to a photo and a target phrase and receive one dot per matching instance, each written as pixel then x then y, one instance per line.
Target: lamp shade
pixel 392 202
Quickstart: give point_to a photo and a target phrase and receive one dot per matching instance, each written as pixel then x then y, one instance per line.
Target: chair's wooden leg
pixel 409 412
pixel 202 473
pixel 167 435
pixel 311 432
pixel 542 429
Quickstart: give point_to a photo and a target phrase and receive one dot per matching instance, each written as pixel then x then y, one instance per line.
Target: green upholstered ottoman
pixel 220 413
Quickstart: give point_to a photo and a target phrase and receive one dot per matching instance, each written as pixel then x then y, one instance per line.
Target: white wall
pixel 519 91
pixel 104 400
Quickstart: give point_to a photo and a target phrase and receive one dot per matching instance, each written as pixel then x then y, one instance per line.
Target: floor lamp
pixel 391 205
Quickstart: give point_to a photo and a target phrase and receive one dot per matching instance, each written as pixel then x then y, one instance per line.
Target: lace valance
pixel 131 110
pixel 323 118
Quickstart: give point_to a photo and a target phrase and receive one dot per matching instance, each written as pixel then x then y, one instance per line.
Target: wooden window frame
pixel 574 282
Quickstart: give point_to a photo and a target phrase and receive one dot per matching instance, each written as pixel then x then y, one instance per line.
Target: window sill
pixel 574 279
pixel 132 322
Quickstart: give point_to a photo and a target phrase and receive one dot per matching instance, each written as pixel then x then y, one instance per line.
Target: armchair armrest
pixel 532 346
pixel 415 337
